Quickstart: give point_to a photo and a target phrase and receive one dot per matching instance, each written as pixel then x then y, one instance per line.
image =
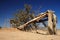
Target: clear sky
pixel 9 7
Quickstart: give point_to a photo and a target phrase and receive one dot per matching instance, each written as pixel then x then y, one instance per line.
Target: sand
pixel 14 34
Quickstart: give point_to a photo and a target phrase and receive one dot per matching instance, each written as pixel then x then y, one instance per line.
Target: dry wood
pixel 33 20
pixel 51 24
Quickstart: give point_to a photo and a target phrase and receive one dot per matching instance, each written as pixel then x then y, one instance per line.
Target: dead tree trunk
pixel 51 22
pixel 33 20
pixel 54 23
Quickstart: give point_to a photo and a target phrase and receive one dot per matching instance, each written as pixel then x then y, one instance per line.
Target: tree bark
pixel 50 23
pixel 33 20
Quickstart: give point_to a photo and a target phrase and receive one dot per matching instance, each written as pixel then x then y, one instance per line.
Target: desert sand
pixel 14 34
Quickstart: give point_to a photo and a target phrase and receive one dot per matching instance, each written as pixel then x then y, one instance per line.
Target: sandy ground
pixel 14 34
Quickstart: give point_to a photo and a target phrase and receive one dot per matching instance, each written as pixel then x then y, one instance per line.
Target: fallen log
pixel 51 21
pixel 33 20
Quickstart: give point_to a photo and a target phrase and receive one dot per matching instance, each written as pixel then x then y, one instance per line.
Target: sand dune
pixel 14 34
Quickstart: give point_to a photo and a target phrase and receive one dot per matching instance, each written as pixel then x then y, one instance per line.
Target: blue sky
pixel 9 7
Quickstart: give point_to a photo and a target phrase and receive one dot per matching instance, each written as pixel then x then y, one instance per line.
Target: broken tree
pixel 51 21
